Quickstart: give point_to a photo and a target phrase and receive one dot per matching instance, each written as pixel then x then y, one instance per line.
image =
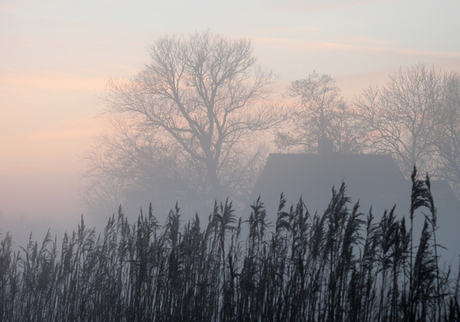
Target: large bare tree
pixel 185 126
pixel 401 115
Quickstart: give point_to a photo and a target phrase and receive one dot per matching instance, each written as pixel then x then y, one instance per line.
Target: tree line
pixel 194 123
pixel 414 117
pixel 338 266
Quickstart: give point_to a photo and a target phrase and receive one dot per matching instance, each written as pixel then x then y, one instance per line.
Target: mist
pixel 46 202
pixel 92 126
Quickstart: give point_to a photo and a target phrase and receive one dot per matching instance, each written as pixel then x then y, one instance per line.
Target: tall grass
pixel 337 266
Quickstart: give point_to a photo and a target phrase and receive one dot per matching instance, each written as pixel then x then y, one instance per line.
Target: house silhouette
pixel 373 180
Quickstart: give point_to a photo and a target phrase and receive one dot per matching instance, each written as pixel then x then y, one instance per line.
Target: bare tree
pixel 446 137
pixel 401 115
pixel 320 113
pixel 187 122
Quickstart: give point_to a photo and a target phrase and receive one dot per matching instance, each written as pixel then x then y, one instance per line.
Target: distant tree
pixel 185 126
pixel 446 136
pixel 400 116
pixel 319 113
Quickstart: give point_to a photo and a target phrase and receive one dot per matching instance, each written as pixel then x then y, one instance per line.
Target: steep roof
pixel 373 179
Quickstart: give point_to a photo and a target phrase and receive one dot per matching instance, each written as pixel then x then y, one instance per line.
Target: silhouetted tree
pixel 446 136
pixel 184 127
pixel 319 113
pixel 401 115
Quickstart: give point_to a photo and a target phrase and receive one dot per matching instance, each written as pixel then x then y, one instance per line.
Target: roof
pixel 373 179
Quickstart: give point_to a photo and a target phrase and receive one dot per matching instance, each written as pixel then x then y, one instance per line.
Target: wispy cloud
pixel 356 44
pixel 301 6
pixel 53 80
pixel 355 62
pixel 85 127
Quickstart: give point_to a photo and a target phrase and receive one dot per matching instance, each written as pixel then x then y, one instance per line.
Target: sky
pixel 56 57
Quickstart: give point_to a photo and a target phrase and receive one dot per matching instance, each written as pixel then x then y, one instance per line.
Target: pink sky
pixel 56 57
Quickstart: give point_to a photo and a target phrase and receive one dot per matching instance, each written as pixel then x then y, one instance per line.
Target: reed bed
pixel 341 265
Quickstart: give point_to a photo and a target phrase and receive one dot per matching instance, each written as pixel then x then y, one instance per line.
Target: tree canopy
pixel 320 113
pixel 401 115
pixel 185 124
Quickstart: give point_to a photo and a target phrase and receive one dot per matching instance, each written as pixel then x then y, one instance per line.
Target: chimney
pixel 325 146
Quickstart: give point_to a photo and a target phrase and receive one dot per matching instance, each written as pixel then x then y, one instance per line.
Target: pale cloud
pixel 379 49
pixel 86 127
pixel 366 41
pixel 355 62
pixel 354 44
pixel 54 80
pixel 300 6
